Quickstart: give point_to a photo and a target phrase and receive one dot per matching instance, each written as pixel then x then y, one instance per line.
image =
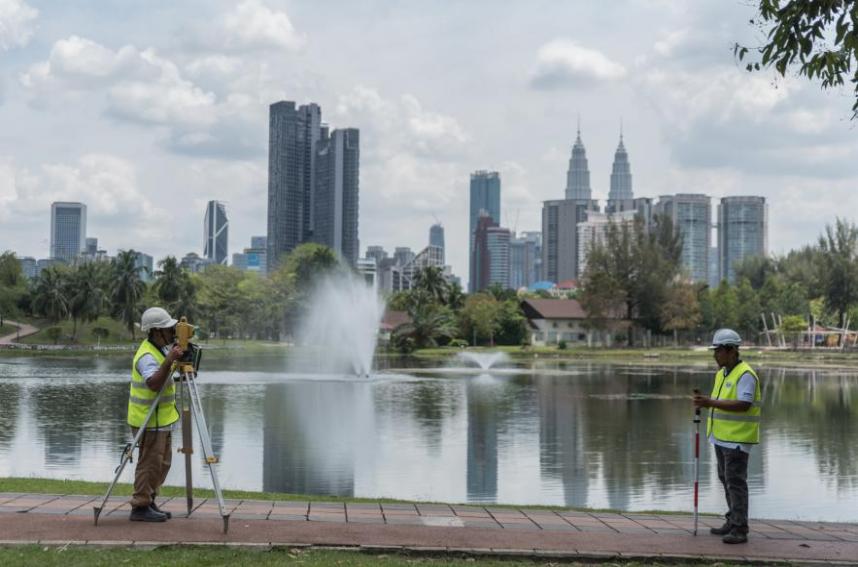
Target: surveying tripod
pixel 190 408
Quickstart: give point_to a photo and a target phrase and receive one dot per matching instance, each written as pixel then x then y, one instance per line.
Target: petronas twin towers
pixel 578 175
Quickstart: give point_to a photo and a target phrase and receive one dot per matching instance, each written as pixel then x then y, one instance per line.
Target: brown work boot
pixel 735 536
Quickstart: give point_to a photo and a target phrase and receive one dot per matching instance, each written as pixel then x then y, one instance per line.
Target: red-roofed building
pixel 550 321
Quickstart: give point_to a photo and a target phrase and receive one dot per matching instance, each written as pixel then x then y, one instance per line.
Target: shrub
pixel 561 344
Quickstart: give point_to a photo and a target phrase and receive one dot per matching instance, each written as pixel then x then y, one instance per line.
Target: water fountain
pixel 484 360
pixel 340 328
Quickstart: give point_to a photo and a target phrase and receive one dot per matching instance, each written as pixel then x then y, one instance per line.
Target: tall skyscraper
pixel 560 220
pixel 403 255
pixel 68 230
pixel 743 225
pixel 377 253
pixel 497 242
pixel 525 259
pixel 146 265
pixel 335 207
pixel 292 138
pixel 578 174
pixel 594 231
pixel 485 198
pixel 436 238
pixel 620 197
pixel 216 227
pixel 481 258
pixel 692 217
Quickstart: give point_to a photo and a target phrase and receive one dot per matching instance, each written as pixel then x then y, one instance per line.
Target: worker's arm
pixel 156 380
pixel 747 388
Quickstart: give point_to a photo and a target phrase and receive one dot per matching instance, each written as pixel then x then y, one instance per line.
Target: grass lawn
pixel 117 333
pixel 7 330
pixel 71 557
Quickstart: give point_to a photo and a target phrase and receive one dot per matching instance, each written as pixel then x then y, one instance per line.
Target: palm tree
pixel 168 280
pixel 85 297
pixel 50 297
pixel 428 323
pixel 127 288
pixel 431 280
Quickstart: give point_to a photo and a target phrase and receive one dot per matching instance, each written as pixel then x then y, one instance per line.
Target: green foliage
pixel 13 285
pixel 458 343
pixel 748 310
pixel 50 294
pixel 85 298
pixel 54 334
pixel 479 319
pixel 308 263
pixel 100 333
pixel 724 307
pixel 820 36
pixel 561 344
pixel 682 311
pixel 126 289
pixel 839 267
pixel 431 281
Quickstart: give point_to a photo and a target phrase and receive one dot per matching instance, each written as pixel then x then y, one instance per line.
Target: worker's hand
pixel 175 353
pixel 701 401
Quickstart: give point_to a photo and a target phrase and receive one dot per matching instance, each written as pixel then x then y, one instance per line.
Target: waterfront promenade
pixel 422 528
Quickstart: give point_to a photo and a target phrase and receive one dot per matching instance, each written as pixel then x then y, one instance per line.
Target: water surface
pixel 583 434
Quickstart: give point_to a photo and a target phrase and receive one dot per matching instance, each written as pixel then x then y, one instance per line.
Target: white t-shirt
pixel 746 392
pixel 147 366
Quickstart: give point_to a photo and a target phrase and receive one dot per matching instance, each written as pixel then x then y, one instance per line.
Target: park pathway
pixel 23 330
pixel 423 528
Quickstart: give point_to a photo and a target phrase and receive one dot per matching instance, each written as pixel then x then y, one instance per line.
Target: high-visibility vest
pixel 141 397
pixel 734 426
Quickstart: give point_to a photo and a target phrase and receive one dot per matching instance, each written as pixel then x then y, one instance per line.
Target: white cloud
pixel 17 21
pixel 563 63
pixel 252 24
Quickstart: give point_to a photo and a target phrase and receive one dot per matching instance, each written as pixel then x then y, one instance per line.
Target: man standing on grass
pixel 733 427
pixel 152 372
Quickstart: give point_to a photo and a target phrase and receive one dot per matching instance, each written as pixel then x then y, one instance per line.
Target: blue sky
pixel 146 110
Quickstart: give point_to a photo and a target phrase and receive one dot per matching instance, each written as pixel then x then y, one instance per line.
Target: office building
pixel 146 266
pixel 620 196
pixel 68 230
pixel 335 201
pixel 742 232
pixel 497 244
pixel 292 138
pixel 484 200
pixel 28 267
pixel 377 253
pixel 692 217
pixel 525 259
pixel 436 238
pixel 402 255
pixel 258 242
pixel 216 227
pixel 594 230
pixel 560 219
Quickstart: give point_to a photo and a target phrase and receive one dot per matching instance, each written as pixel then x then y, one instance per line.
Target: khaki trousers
pixel 153 464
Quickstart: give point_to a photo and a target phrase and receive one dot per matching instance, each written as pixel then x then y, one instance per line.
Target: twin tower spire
pixel 578 175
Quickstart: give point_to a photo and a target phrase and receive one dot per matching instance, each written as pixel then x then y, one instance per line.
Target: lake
pixel 580 434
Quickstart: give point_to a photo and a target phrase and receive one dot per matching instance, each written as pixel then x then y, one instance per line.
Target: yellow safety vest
pixel 141 397
pixel 734 426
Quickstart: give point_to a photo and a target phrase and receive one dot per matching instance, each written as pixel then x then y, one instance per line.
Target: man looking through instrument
pixel 152 372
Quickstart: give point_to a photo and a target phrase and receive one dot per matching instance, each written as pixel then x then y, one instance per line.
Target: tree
pixel 13 285
pixel 429 322
pixel 480 317
pixel 455 296
pixel 839 267
pixel 168 280
pixel 126 289
pixel 724 307
pixel 50 299
pixel 792 326
pixel 85 298
pixel 512 327
pixel 748 310
pixel 309 262
pixel 682 311
pixel 431 280
pixel 821 36
pixel 221 304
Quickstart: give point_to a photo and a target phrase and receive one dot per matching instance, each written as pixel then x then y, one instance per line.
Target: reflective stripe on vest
pixel 140 396
pixel 732 426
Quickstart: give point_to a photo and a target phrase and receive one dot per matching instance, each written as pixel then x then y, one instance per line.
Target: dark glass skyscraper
pixel 485 197
pixel 436 238
pixel 743 227
pixel 217 233
pixel 292 138
pixel 336 197
pixel 68 230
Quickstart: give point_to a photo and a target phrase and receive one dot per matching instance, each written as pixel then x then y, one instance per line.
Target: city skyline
pixel 694 121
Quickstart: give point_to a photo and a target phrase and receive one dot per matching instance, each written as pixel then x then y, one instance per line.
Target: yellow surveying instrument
pixel 191 411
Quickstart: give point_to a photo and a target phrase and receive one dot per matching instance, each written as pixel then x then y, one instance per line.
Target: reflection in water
pixel 575 434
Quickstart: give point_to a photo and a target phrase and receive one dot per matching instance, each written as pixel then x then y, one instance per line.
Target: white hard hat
pixel 156 318
pixel 726 337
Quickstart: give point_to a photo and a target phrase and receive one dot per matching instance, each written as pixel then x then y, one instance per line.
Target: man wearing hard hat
pixel 152 372
pixel 733 427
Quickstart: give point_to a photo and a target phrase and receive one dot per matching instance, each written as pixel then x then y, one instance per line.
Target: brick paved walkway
pixel 61 519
